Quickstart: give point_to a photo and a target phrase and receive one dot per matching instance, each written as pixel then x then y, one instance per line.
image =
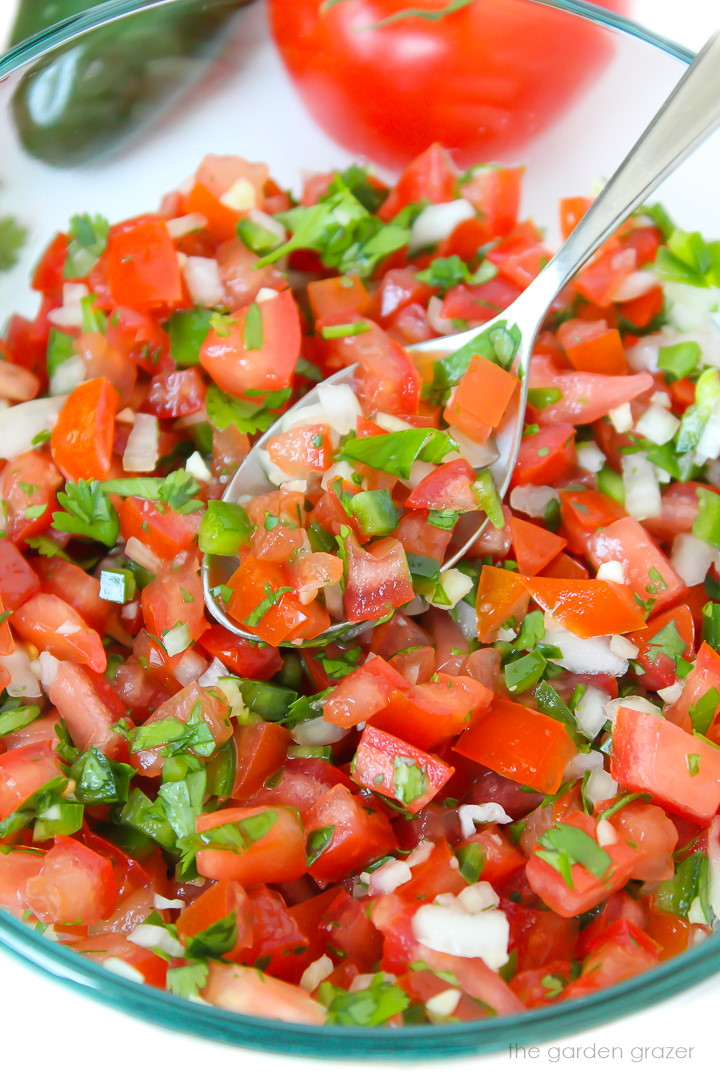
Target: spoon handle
pixel 689 115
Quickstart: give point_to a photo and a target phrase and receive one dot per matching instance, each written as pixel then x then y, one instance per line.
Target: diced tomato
pixel 430 713
pixel 278 943
pixel 682 772
pixel 654 836
pixel 501 859
pixel 703 680
pixel 656 664
pixel 547 456
pixel 476 304
pixel 260 750
pixel 22 772
pixel 50 623
pixel 338 297
pixel 643 309
pixel 76 587
pixel 74 885
pixel 219 902
pixel 586 890
pixel 432 176
pixel 386 379
pixel 17 867
pixel 350 932
pixel 174 598
pixel 585 396
pixel 378 579
pixel 679 508
pixel 583 513
pixel 647 571
pixel 448 487
pixel 244 356
pixel 540 937
pixel 82 438
pixel 101 947
pixel 176 393
pixel 28 484
pixel 398 770
pixel 249 660
pixel 18 580
pixel 161 529
pixel 418 535
pixel 521 744
pixel 363 693
pixel 480 400
pixel 302 450
pixel 588 608
pixel 270 845
pixel 89 706
pixel 673 934
pixel 494 191
pixel 534 547
pixel 256 582
pixel 475 978
pixel 600 280
pixel 612 963
pixel 501 595
pixel 359 835
pixel 143 271
pixel 251 992
pixel 398 290
pixel 593 346
pixel 209 706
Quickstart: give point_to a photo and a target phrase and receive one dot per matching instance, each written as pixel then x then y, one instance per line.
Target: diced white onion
pixel 643 498
pixel 673 693
pixel 590 457
pixel 437 222
pixel 584 656
pixel 589 712
pixel 421 853
pixel 582 763
pixel 229 687
pixel 388 877
pixel 439 324
pixel 215 671
pixel 662 399
pixel 633 702
pixel 599 787
pixel 340 405
pixel 149 936
pixel 130 611
pixel 191 664
pixel 116 966
pixel 479 455
pixel 317 732
pixel 471 814
pixel 621 418
pixel 333 596
pixel 635 284
pixel 419 471
pixel 531 500
pixel 196 466
pixel 466 618
pixel 644 355
pixel 275 475
pixel 176 641
pixel 143 556
pixel 612 570
pixel 164 903
pixel 67 628
pixel 67 375
pixel 23 423
pixel 657 424
pixel 266 294
pixel 70 313
pixel 23 679
pixel 181 226
pixel 390 422
pixel 455 585
pixel 623 648
pixel 240 196
pixel 418 606
pixel 708 447
pixel 202 277
pixel 259 217
pixel 141 451
pixel 688 306
pixel 445 1003
pixel 457 932
pixel 315 973
pixel 692 558
pixel 191 420
pixel 478 897
pixel 606 834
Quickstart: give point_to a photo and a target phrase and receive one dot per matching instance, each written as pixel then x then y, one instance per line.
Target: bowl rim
pixel 480 1036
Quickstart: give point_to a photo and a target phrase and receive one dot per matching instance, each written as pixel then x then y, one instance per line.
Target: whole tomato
pixel 386 78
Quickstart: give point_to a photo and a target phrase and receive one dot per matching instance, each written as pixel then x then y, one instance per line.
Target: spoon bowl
pixel 688 116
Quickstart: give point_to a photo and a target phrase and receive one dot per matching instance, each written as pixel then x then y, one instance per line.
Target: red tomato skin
pixel 658 669
pixel 22 772
pixel 356 75
pixel 18 580
pixel 82 438
pixel 77 588
pixel 434 711
pixel 360 835
pixel 276 857
pixel 448 487
pixel 220 900
pixel 260 751
pixel 250 661
pixel 374 766
pixel 142 265
pixel 39 620
pixel 36 470
pixel 363 693
pixel 74 885
pixel 176 393
pixel 629 543
pixel 165 533
pixel 378 579
pixel 648 754
pixel 16 869
pixel 547 457
pixel 236 368
pixel 89 707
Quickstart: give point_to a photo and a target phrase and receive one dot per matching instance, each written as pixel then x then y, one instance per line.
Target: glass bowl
pixel 235 97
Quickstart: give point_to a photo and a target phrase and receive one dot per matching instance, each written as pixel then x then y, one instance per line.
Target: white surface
pixel 49 1030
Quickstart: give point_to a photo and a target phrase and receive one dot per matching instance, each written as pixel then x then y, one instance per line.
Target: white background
pixel 50 1030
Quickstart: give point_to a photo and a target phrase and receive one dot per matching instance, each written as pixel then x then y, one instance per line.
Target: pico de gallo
pixel 501 795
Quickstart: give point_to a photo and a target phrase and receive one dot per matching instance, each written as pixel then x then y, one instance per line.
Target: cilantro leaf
pixel 187 981
pixel 363 1008
pixel 12 237
pixel 565 846
pixel 176 490
pixel 249 417
pixel 396 451
pixel 88 240
pixel 87 511
pixel 215 940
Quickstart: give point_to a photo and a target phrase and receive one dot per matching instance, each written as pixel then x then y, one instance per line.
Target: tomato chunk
pixel 253 846
pixel 82 439
pixel 397 769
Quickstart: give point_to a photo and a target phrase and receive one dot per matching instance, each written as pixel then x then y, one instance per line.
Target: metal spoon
pixel 687 117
